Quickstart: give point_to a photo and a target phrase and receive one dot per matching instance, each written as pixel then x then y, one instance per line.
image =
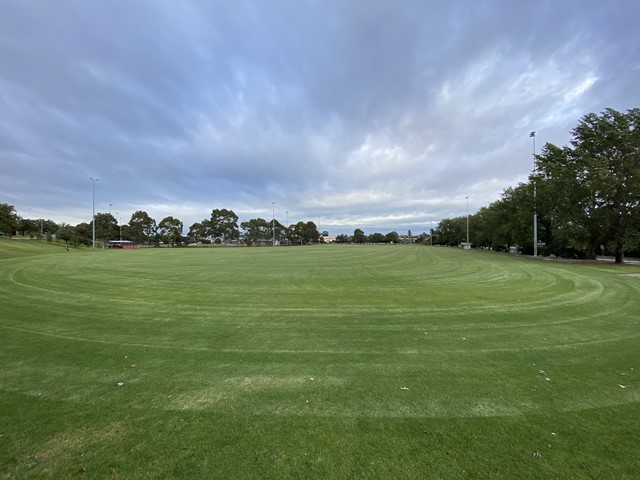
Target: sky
pixel 371 114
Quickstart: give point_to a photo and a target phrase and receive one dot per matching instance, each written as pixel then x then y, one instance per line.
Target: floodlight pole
pixel 93 183
pixel 467 197
pixel 535 206
pixel 273 225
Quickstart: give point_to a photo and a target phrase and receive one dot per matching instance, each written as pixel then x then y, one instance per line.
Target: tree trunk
pixel 591 250
pixel 619 254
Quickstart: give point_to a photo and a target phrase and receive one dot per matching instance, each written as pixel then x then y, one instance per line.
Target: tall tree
pixel 451 231
pixel 303 233
pixel 65 232
pixel 392 237
pixel 198 231
pixel 141 227
pixel 257 230
pixel 83 234
pixel 600 175
pixel 106 227
pixel 358 236
pixel 9 219
pixel 30 227
pixel 223 224
pixel 311 233
pixel 170 230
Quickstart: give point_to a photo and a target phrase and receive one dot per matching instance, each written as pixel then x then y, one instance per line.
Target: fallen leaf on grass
pixel 120 384
pixel 622 386
pixel 133 365
pixel 404 388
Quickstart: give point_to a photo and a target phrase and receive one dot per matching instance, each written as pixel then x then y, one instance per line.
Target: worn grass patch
pixel 318 362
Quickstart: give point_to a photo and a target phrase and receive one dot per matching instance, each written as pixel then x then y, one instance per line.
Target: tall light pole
pixel 287 222
pixel 535 206
pixel 467 197
pixel 118 223
pixel 273 225
pixel 93 183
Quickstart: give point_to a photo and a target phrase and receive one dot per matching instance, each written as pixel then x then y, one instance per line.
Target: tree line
pixel 222 227
pixel 586 196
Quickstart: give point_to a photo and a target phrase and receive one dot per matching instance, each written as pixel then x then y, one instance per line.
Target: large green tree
pixel 594 183
pixel 141 227
pixel 223 224
pixel 30 227
pixel 66 233
pixel 198 231
pixel 170 230
pixel 257 230
pixel 358 236
pixel 106 227
pixel 83 234
pixel 392 237
pixel 450 231
pixel 9 220
pixel 303 233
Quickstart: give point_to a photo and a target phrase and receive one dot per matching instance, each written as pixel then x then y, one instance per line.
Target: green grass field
pixel 315 362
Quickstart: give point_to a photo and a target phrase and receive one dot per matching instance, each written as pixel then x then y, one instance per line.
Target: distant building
pixel 121 244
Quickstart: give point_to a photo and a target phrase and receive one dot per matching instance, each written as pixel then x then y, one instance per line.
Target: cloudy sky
pixel 380 115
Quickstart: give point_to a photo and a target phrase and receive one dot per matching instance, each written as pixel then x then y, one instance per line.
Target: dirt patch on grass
pixel 241 389
pixel 67 450
pixel 79 439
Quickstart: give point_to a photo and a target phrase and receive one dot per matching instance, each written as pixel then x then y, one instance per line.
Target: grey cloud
pixel 376 112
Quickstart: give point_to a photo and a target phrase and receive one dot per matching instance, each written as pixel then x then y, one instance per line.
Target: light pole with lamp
pixel 535 206
pixel 468 245
pixel 118 223
pixel 93 183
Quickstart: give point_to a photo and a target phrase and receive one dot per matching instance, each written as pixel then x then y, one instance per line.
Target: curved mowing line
pixel 434 351
pixel 575 297
pixel 402 291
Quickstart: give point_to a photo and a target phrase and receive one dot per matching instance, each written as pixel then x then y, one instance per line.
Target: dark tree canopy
pixel 594 184
pixel 141 227
pixel 9 220
pixel 223 224
pixel 588 195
